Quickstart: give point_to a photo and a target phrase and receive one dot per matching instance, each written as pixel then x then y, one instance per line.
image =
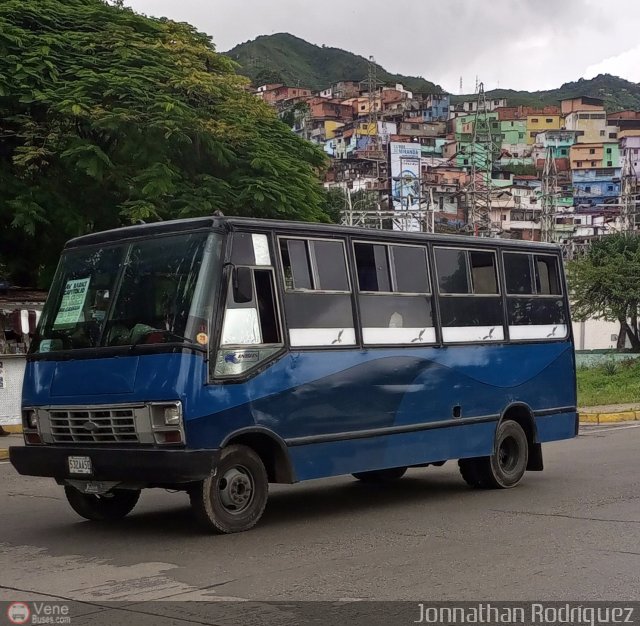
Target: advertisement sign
pixel 405 181
pixel 75 293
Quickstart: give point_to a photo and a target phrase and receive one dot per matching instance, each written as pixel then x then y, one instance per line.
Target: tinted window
pixel 517 270
pixel 451 268
pixel 410 266
pixel 296 265
pixel 331 266
pixel 373 267
pixel 547 277
pixel 314 265
pixel 483 271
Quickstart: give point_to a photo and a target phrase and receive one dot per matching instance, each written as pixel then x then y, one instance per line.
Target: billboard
pixel 405 182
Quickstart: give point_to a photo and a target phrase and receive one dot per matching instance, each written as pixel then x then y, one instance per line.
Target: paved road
pixel 571 532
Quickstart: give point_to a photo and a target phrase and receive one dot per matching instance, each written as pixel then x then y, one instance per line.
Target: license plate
pixel 80 465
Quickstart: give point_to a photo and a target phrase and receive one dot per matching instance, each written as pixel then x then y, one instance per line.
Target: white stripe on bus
pixel 472 333
pixel 538 331
pixel 387 335
pixel 322 336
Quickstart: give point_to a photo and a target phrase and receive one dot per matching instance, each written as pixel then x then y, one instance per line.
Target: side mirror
pixel 242 285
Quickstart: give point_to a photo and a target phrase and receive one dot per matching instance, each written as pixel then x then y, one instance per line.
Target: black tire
pixel 474 471
pixel 233 498
pixel 112 506
pixel 381 476
pixel 506 466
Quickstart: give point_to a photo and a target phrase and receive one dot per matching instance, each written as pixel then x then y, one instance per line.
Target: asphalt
pixel 569 533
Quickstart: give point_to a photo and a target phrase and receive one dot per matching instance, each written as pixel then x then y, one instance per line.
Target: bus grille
pixel 93 426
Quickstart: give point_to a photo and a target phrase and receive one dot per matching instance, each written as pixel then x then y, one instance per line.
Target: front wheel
pixel 233 498
pixel 108 507
pixel 506 466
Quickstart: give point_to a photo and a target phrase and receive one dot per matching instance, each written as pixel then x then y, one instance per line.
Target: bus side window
pixel 395 295
pixel 547 276
pixel 536 309
pixel 317 296
pixel 470 301
pixel 251 331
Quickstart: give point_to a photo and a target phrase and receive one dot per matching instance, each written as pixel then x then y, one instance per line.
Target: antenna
pixel 460 85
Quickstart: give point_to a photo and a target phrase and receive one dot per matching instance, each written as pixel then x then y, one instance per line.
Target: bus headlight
pixel 30 419
pixel 173 415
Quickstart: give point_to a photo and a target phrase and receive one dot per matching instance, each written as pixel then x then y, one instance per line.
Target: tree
pixel 267 76
pixel 605 284
pixel 108 117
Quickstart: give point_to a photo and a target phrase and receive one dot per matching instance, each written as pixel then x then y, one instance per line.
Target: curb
pixel 15 429
pixel 4 454
pixel 609 418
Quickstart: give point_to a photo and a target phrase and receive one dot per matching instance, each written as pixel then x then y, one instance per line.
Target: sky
pixel 512 44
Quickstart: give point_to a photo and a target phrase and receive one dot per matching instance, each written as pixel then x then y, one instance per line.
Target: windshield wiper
pixel 168 334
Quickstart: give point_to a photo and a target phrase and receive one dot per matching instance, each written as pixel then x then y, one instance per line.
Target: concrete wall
pixel 595 334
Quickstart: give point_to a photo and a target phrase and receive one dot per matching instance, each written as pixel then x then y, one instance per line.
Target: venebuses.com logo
pixel 38 613
pixel 18 613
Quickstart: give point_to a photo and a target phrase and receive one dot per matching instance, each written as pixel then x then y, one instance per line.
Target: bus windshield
pixel 129 293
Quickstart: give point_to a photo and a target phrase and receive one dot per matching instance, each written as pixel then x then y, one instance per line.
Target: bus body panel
pixel 344 411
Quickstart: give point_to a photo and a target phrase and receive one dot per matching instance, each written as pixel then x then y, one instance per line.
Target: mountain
pixel 288 59
pixel 616 92
pixel 294 61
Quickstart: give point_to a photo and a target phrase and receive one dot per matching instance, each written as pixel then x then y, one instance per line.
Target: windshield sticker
pixel 75 294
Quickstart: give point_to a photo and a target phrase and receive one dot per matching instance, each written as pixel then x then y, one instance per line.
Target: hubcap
pixel 236 490
pixel 508 454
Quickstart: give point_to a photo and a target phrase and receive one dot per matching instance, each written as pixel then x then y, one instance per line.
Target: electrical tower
pixel 628 195
pixel 482 153
pixel 374 145
pixel 549 197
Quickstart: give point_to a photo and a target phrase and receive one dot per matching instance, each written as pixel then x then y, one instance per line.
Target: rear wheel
pixel 110 506
pixel 506 466
pixel 381 476
pixel 233 498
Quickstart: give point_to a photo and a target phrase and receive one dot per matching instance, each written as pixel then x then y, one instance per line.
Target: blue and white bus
pixel 218 355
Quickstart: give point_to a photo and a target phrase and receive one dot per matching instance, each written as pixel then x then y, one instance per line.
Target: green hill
pixel 288 59
pixel 616 92
pixel 294 61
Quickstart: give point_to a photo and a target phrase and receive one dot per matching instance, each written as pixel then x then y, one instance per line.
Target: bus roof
pixel 308 228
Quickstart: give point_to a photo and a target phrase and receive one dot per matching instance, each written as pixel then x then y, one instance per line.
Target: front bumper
pixel 139 465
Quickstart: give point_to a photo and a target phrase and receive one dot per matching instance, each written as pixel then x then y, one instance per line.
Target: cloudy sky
pixel 518 44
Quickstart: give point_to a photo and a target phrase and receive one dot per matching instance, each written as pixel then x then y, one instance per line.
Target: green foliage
pixel 335 203
pixel 302 63
pixel 108 117
pixel 598 385
pixel 520 169
pixel 604 283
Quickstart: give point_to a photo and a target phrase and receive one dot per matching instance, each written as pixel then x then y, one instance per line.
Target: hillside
pixel 617 93
pixel 288 59
pixel 285 58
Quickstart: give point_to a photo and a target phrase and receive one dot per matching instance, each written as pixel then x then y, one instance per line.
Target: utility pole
pixel 549 194
pixel 482 149
pixel 628 211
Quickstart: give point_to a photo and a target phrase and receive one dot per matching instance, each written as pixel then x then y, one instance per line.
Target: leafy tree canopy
pixel 604 284
pixel 108 117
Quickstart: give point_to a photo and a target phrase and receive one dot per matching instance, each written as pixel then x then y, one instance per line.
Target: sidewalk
pixel 609 413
